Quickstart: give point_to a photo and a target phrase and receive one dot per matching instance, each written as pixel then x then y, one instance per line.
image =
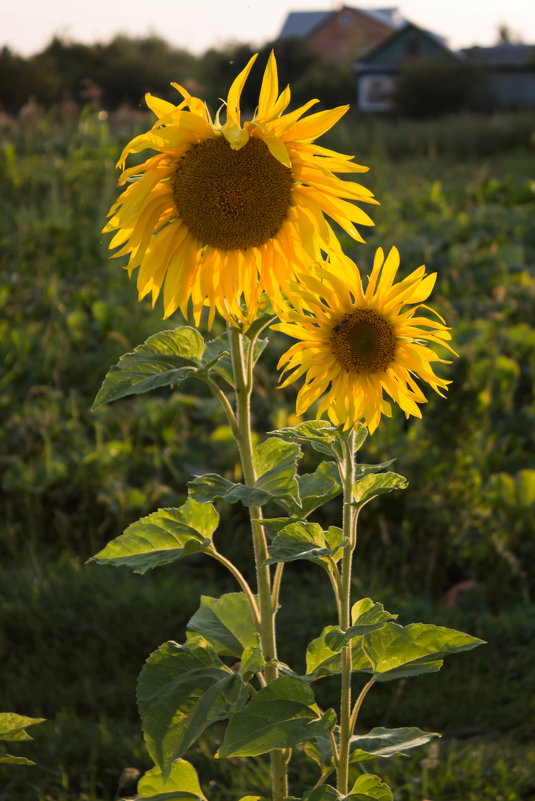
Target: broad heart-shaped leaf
pixel 395 651
pixel 162 537
pixel 366 616
pixel 181 690
pixel 369 788
pixel 324 661
pixel 280 715
pixel 276 465
pixel 13 726
pixel 212 487
pixel 252 662
pixel 305 541
pixel 315 489
pixel 374 484
pixel 380 743
pixel 323 437
pixel 163 359
pixel 183 783
pixel 226 623
pixel 366 788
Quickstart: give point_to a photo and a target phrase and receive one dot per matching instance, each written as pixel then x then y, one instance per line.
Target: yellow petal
pixel 234 94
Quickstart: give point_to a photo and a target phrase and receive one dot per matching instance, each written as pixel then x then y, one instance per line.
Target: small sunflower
pixel 355 346
pixel 223 212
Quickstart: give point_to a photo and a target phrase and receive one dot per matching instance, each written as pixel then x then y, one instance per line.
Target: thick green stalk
pixel 348 468
pixel 243 382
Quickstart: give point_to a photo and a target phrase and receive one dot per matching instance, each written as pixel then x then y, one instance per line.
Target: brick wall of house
pixel 346 35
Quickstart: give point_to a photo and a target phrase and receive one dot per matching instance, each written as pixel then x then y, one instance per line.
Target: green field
pixel 457 195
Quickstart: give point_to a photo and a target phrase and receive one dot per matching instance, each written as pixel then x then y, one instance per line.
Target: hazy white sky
pixel 28 25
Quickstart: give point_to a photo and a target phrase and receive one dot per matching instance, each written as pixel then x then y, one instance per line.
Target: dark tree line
pixel 121 71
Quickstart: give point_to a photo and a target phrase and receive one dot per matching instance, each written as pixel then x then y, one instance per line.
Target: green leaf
pixel 226 623
pixel 525 489
pixel 259 324
pixel 281 715
pixel 366 616
pixel 9 759
pixel 321 660
pixel 216 358
pixel 181 690
pixel 304 541
pixel 380 743
pixel 162 537
pixel 318 433
pixel 12 726
pixel 364 469
pixel 276 465
pixel 374 484
pixel 315 489
pixel 369 788
pixel 183 783
pixel 165 358
pixel 252 662
pixel 323 793
pixel 212 487
pixel 396 651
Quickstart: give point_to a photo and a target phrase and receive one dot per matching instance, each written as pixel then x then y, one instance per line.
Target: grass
pixel 457 195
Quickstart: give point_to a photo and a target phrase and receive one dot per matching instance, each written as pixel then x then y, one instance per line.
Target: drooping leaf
pixel 212 487
pixel 181 690
pixel 321 660
pixel 374 484
pixel 280 715
pixel 398 651
pixel 366 616
pixel 304 541
pixel 380 743
pixel 226 622
pixel 259 324
pixel 364 469
pixel 9 759
pixel 315 489
pixel 163 359
pixel 183 783
pixel 276 465
pixel 162 537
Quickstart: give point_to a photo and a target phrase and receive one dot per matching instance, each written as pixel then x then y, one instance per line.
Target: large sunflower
pixel 355 346
pixel 223 212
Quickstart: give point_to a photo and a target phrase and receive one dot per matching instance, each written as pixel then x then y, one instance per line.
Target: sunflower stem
pixel 348 478
pixel 242 367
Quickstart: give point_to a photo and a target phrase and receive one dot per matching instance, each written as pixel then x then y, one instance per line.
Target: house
pixel 343 34
pixel 378 69
pixel 509 69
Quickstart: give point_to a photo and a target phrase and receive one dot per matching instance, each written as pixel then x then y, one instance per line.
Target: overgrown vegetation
pixel 457 550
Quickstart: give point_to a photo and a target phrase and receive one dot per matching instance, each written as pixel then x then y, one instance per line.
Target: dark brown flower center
pixel 232 199
pixel 364 342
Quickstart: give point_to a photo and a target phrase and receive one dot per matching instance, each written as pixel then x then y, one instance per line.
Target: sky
pixel 26 26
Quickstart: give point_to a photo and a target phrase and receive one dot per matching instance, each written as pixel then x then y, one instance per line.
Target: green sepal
pixel 381 743
pixel 162 537
pixel 366 616
pixel 396 652
pixel 226 623
pixel 306 541
pixel 280 715
pixel 321 660
pixel 181 690
pixel 315 489
pixel 183 783
pixel 371 485
pixel 163 359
